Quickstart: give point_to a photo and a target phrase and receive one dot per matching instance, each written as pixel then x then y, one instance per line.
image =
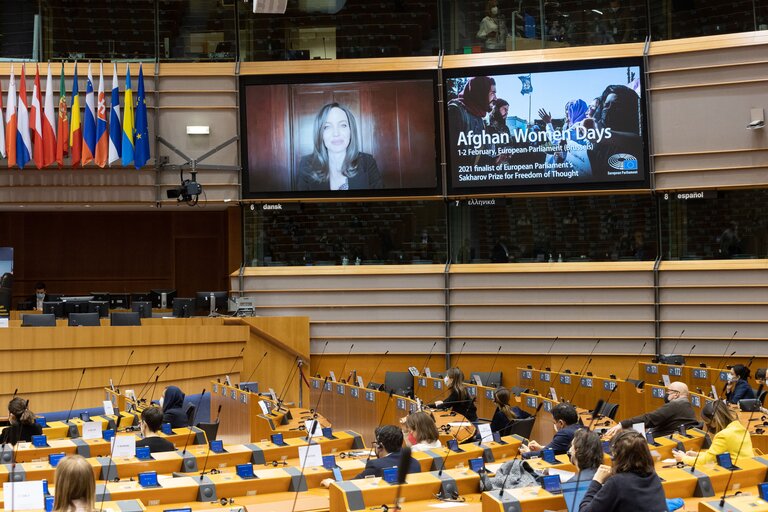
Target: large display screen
pixel 340 136
pixel 558 126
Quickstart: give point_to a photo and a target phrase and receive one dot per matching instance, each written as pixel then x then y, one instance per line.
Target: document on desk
pixel 460 424
pixel 447 504
pixel 564 475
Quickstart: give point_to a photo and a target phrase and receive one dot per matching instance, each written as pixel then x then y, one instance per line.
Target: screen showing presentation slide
pixel 564 125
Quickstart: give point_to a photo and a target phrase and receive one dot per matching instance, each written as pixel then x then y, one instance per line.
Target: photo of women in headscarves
pixel 573 146
pixel 472 99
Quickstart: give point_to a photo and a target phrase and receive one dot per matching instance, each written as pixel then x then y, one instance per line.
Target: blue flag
pixel 527 87
pixel 141 132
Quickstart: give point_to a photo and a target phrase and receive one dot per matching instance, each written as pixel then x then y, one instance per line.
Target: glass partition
pixel 191 30
pixel 370 233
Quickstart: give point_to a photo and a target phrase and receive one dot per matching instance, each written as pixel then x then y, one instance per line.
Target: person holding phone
pixel 730 436
pixel 566 424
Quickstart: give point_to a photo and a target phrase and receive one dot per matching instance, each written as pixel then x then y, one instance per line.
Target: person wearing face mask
pixel 566 424
pixel 493 28
pixel 39 297
pixel 172 403
pixel 459 400
pixel 505 415
pixel 729 436
pixel 586 453
pixel 422 432
pixel 389 442
pixel 150 423
pixel 738 387
pixel 677 410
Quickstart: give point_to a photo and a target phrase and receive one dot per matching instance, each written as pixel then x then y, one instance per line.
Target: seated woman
pixel 75 485
pixel 738 387
pixel 505 415
pixel 630 484
pixel 586 453
pixel 173 407
pixel 730 436
pixel 459 400
pixel 422 432
pixel 337 162
pixel 22 420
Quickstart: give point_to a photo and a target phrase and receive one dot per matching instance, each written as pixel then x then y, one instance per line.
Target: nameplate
pixel 609 385
pixel 700 373
pixel 545 377
pixel 526 374
pixel 586 382
pixel 675 371
pixel 400 404
pixel 651 369
pixel 354 392
pixel 339 389
pixel 565 379
pixel 369 396
pixel 531 402
pixel 657 392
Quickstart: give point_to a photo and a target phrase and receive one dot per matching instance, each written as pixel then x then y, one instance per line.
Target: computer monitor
pixel 399 382
pixel 143 308
pixel 162 298
pixel 75 304
pixel 121 318
pixel 43 320
pixel 141 297
pixel 54 308
pixel 100 296
pixel 84 319
pixel 183 307
pixel 100 307
pixel 53 297
pixel 220 300
pixel 119 300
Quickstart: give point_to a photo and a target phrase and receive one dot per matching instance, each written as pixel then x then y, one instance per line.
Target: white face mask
pixel 447 380
pixel 40 295
pixel 494 10
pixel 731 377
pixel 161 402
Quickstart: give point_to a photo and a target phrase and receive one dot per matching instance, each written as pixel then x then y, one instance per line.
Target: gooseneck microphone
pixel 320 360
pixel 205 464
pixel 256 368
pixel 191 432
pixel 141 393
pixel 117 389
pixel 490 373
pixel 678 341
pixel 544 359
pixel 343 368
pixel 381 420
pixel 77 390
pixel 456 364
pixel 373 375
pixel 426 361
pixel 236 361
pixel 723 358
pixel 287 381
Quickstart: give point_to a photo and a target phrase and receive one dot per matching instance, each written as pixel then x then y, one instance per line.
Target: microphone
pixel 117 389
pixel 285 384
pixel 563 363
pixel 205 464
pixel 189 434
pixel 583 369
pixel 235 363
pixel 725 386
pixel 109 469
pixel 544 359
pixel 402 472
pixel 141 393
pixel 154 386
pixel 69 414
pixel 377 368
pixel 741 445
pixel 319 360
pixel 608 400
pixel 426 361
pixel 598 407
pixel 492 365
pixel 381 420
pixel 309 443
pixel 343 368
pixel 456 364
pixel 678 341
pixel 690 351
pixel 749 364
pixel 257 367
pixel 719 363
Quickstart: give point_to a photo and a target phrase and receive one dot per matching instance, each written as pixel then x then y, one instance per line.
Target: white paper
pixel 92 430
pixel 714 392
pixel 264 408
pixel 486 434
pixel 427 372
pixel 273 395
pixel 124 446
pixel 493 467
pixel 460 424
pixel 24 495
pixel 553 393
pixel 413 371
pixel 564 475
pixel 478 380
pixel 639 427
pixel 109 408
pixel 310 456
pixel 360 382
pixel 3 322
pixel 665 379
pixel 270 6
pixel 310 424
pixel 333 376
pixel 130 394
pixel 447 504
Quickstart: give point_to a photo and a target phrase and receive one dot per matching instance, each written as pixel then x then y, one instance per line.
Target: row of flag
pixel 35 134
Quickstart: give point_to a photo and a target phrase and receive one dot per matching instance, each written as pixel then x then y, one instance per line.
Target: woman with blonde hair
pixel 730 436
pixel 22 420
pixel 459 400
pixel 75 485
pixel 422 432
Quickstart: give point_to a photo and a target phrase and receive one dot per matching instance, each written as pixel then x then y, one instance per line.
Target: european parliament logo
pixel 623 162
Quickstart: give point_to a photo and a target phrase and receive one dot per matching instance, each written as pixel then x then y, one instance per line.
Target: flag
pixel 89 121
pixel 142 130
pixel 115 127
pixel 49 123
pixel 23 141
pixel 11 120
pixel 36 120
pixel 128 120
pixel 102 142
pixel 3 153
pixel 62 144
pixel 75 126
pixel 527 86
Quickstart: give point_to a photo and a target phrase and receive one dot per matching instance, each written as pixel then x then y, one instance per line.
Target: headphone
pixel 226 501
pixel 451 496
pixel 274 463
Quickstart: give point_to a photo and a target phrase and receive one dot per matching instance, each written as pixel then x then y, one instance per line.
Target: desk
pixel 735 504
pixel 694 376
pixel 313 500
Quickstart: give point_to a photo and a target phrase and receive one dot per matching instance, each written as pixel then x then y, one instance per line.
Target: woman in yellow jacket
pixel 730 436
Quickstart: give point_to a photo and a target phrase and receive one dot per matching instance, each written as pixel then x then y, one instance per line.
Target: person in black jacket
pixel 173 407
pixel 151 421
pixel 505 415
pixel 677 410
pixel 22 420
pixel 630 484
pixel 389 442
pixel 566 424
pixel 459 400
pixel 738 387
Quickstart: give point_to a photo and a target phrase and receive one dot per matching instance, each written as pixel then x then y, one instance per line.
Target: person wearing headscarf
pixel 467 111
pixel 572 143
pixel 173 407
